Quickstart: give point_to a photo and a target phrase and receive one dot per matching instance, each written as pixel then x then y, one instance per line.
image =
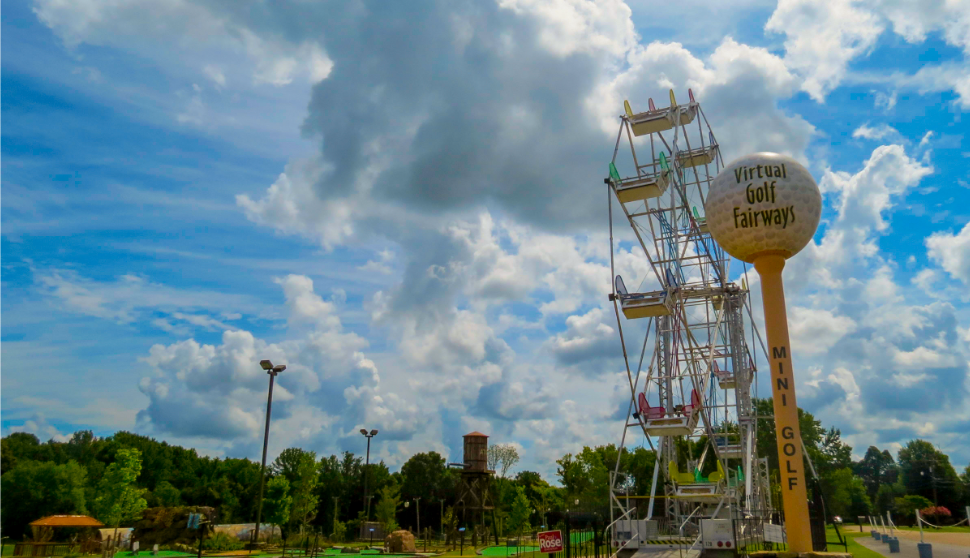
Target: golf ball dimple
pixel 761 203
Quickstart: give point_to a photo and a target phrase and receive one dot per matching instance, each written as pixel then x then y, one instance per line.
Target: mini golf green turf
pixel 580 537
pixel 503 550
pixel 148 553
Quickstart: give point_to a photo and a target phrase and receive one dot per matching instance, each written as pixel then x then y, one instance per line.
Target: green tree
pixel 18 446
pixel 906 506
pixel 288 462
pixel 886 497
pixel 277 502
pixel 425 476
pixel 549 499
pixel 926 471
pixel 875 469
pixel 305 497
pixel 846 494
pixel 449 523
pixel 167 494
pixel 532 483
pixel 119 500
pixel 827 451
pixel 965 481
pixel 502 457
pixel 386 508
pixel 7 459
pixel 811 430
pixel 520 512
pixel 339 533
pixel 585 476
pixel 32 490
pixel 331 484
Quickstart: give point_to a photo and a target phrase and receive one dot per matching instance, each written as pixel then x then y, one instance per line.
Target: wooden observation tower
pixel 474 489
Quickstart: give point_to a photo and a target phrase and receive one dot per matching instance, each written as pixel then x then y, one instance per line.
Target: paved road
pixel 907 549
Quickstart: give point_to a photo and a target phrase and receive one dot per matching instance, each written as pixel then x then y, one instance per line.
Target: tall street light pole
pixel 367 435
pixel 272 371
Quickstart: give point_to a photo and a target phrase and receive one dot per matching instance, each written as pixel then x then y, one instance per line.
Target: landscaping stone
pixel 400 542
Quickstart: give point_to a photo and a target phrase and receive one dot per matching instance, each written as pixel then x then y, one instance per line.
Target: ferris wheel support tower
pixel 693 403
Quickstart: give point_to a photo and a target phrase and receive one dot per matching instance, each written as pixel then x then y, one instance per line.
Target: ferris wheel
pixel 693 376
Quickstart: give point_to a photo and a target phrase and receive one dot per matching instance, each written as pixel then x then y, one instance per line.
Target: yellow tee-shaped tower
pixel 763 209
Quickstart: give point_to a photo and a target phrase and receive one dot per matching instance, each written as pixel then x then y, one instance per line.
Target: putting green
pixel 148 553
pixel 508 550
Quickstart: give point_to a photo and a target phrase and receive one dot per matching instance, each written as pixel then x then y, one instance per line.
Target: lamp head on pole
pixel 270 369
pixel 762 204
pixel 363 431
pixel 373 432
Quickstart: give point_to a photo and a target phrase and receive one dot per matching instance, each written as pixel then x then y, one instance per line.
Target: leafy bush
pixel 222 542
pixel 907 505
pixel 339 532
pixel 936 514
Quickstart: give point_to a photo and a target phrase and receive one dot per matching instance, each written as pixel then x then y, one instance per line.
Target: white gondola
pixel 680 422
pixel 729 446
pixel 725 378
pixel 641 187
pixel 645 305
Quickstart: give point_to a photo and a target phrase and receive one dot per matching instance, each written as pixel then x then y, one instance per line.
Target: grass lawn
pixel 856 549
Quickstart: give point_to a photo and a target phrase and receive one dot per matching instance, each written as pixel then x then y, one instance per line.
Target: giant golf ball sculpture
pixel 763 209
pixel 763 203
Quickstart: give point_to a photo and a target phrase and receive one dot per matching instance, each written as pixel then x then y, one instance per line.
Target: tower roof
pixel 67 521
pixel 475 434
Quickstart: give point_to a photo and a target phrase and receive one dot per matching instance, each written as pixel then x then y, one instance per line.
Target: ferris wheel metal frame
pixel 696 320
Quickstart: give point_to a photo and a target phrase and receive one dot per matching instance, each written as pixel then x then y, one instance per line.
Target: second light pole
pixel 272 371
pixel 367 435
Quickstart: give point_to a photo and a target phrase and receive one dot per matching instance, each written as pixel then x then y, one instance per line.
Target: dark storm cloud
pixel 477 109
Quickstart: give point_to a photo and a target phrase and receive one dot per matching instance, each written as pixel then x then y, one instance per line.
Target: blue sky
pixel 402 204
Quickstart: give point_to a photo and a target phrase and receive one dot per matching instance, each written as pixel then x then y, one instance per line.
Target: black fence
pixel 582 536
pixel 754 532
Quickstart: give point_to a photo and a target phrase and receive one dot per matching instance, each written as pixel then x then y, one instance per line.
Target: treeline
pixel 325 494
pixel 919 477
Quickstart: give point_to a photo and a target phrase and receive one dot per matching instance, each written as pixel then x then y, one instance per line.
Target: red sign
pixel 550 541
